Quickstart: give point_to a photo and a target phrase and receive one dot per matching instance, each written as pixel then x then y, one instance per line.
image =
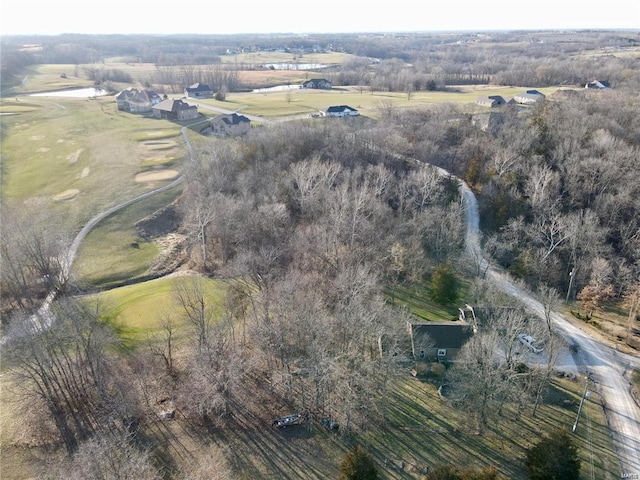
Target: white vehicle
pixel 528 341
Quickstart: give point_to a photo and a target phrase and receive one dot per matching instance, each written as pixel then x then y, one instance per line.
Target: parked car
pixel 284 422
pixel 529 341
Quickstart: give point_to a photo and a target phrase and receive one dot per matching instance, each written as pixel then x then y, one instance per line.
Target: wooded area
pixel 313 224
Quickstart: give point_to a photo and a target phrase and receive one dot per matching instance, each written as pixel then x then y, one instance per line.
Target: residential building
pixel 137 101
pixel 341 111
pixel 175 110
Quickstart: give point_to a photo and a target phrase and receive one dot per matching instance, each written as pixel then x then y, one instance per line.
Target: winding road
pixel 605 367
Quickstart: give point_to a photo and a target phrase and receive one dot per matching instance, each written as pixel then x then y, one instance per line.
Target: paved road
pixel 606 367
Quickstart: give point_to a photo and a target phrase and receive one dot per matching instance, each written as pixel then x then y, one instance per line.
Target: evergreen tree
pixel 554 458
pixel 444 286
pixel 358 465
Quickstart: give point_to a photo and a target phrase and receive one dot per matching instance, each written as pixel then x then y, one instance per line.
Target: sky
pixel 52 17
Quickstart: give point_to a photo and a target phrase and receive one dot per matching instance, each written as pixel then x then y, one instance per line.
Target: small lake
pixel 294 66
pixel 278 88
pixel 75 93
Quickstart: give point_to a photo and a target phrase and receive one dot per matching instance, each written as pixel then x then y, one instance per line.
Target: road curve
pixel 606 367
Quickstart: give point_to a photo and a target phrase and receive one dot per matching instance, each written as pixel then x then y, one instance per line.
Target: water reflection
pixel 75 93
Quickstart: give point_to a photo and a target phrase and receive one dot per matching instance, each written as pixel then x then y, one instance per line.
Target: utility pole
pixel 571 273
pixel 584 395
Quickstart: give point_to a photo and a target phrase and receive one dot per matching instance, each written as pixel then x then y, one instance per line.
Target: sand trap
pixel 36 137
pixel 43 150
pixel 67 195
pixel 73 158
pixel 159 144
pixel 85 172
pixel 156 175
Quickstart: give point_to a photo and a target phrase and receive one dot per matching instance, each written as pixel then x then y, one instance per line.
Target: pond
pixel 294 66
pixel 75 93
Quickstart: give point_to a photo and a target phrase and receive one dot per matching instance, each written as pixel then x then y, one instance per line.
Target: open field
pixel 307 101
pixel 114 253
pixel 77 157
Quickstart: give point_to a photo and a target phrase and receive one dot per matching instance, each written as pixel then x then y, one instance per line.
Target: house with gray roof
pixel 229 125
pixel 137 101
pixel 175 110
pixel 529 97
pixel 319 83
pixel 341 111
pixel 198 90
pixel 438 341
pixel 490 101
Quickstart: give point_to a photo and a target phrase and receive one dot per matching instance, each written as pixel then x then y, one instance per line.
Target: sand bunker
pixel 43 150
pixel 159 144
pixel 36 137
pixel 73 158
pixel 85 172
pixel 67 195
pixel 156 175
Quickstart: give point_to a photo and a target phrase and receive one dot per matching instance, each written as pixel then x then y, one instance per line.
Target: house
pixel 490 101
pixel 341 111
pixel 438 340
pixel 597 85
pixel 320 83
pixel 488 121
pixel 229 125
pixel 198 90
pixel 529 97
pixel 175 110
pixel 137 101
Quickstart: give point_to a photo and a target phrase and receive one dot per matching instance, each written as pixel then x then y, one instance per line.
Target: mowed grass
pixel 86 147
pixel 113 253
pixel 415 298
pixel 307 101
pixel 138 312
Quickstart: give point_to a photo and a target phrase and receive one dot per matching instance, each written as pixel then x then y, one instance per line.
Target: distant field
pixel 306 101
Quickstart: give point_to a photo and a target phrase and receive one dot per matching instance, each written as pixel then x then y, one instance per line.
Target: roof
pixel 233 119
pixel 442 334
pixel 172 105
pixel 131 94
pixel 340 108
pixel 198 87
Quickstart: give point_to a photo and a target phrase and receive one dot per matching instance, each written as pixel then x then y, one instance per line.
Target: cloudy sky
pixel 310 16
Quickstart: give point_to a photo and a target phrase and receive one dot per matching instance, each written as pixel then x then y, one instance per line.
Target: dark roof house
pixel 438 340
pixel 318 83
pixel 341 111
pixel 198 90
pixel 490 101
pixel 175 110
pixel 228 125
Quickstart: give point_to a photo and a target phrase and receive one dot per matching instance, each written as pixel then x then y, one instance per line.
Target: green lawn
pixel 138 311
pixel 303 101
pixel 77 157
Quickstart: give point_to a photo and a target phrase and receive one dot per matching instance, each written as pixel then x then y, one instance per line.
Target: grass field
pixel 77 157
pixel 296 102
